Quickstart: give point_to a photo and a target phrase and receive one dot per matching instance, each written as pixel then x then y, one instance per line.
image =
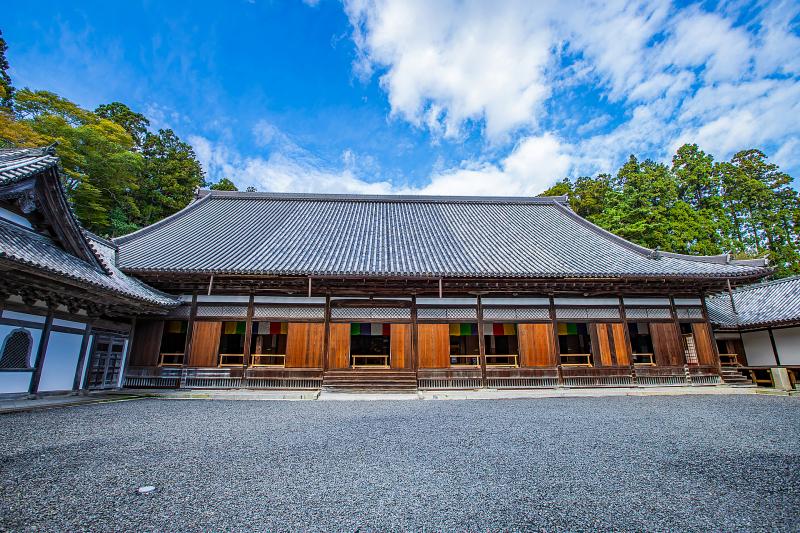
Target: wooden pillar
pixel 711 331
pixel 83 358
pixel 774 347
pixel 326 341
pixel 33 388
pixel 127 355
pixel 190 331
pixel 481 342
pixel 556 344
pixel 624 316
pixel 414 335
pixel 677 322
pixel 248 332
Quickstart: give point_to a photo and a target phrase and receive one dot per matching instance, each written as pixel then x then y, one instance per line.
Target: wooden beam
pixel 41 352
pixel 481 343
pixel 83 358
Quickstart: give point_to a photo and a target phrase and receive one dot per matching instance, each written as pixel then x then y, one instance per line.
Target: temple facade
pixel 303 291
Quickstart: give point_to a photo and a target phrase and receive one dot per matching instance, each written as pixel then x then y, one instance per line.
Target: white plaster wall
pixel 758 348
pixel 18 381
pixel 14 315
pixel 788 343
pixel 15 382
pixel 61 361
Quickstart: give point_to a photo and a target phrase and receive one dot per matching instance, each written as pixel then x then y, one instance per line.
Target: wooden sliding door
pixel 304 345
pixel 339 346
pixel 400 346
pixel 205 344
pixel 667 344
pixel 434 345
pixel 536 345
pixel 146 343
pixel 612 346
pixel 703 342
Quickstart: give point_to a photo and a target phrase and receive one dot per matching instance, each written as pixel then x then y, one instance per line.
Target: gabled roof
pixel 403 236
pixel 17 164
pixel 771 303
pixel 26 247
pixel 59 245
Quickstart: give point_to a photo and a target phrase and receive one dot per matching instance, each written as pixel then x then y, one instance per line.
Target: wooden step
pixel 734 376
pixel 360 379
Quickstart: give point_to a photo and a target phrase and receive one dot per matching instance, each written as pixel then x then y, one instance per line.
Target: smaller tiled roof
pixel 770 303
pixel 24 246
pixel 17 164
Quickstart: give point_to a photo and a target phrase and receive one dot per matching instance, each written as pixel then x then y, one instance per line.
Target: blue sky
pixel 437 97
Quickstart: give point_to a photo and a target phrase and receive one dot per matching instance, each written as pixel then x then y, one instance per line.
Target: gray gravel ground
pixel 698 463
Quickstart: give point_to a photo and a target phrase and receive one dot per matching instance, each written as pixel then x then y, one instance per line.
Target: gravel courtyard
pixel 649 463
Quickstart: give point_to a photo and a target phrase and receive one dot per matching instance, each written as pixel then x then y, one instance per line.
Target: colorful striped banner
pixel 459 330
pixel 234 328
pixel 571 328
pixel 500 329
pixel 366 329
pixel 272 328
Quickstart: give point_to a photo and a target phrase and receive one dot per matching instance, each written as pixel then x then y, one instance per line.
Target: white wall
pixel 61 361
pixel 758 348
pixel 788 343
pixel 18 381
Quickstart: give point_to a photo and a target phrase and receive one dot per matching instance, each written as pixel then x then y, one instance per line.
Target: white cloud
pixel 676 73
pixel 450 62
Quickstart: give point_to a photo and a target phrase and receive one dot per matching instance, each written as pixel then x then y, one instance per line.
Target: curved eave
pixel 449 275
pixel 167 303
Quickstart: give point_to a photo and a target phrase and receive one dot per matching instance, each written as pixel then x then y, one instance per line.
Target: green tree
pixel 224 185
pixel 99 165
pixel 6 89
pixel 171 176
pixel 134 123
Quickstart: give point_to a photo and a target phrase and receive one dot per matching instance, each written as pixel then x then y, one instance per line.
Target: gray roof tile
pixel 768 303
pixel 414 236
pixel 25 246
pixel 19 163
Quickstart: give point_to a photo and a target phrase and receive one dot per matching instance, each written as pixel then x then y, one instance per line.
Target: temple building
pixel 757 328
pixel 262 290
pixel 66 309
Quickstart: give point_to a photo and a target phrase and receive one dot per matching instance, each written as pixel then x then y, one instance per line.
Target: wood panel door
pixel 667 344
pixel 400 346
pixel 704 344
pixel 304 345
pixel 146 343
pixel 339 346
pixel 603 342
pixel 205 344
pixel 434 345
pixel 536 345
pixel 622 348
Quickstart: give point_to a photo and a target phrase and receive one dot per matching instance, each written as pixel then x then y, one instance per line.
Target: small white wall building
pixel 760 325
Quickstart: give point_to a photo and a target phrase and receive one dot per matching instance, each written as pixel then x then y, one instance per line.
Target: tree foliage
pixel 224 184
pixel 745 206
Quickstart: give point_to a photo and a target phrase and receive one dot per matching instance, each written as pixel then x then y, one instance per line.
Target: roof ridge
pixel 416 198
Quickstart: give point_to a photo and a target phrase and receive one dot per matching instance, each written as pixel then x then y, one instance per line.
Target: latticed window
pixel 17 349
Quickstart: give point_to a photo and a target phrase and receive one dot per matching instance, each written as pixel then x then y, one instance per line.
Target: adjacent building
pixel 757 328
pixel 66 309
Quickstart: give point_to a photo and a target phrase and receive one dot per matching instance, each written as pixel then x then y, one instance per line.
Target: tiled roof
pixel 19 163
pixel 22 245
pixel 770 303
pixel 408 236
